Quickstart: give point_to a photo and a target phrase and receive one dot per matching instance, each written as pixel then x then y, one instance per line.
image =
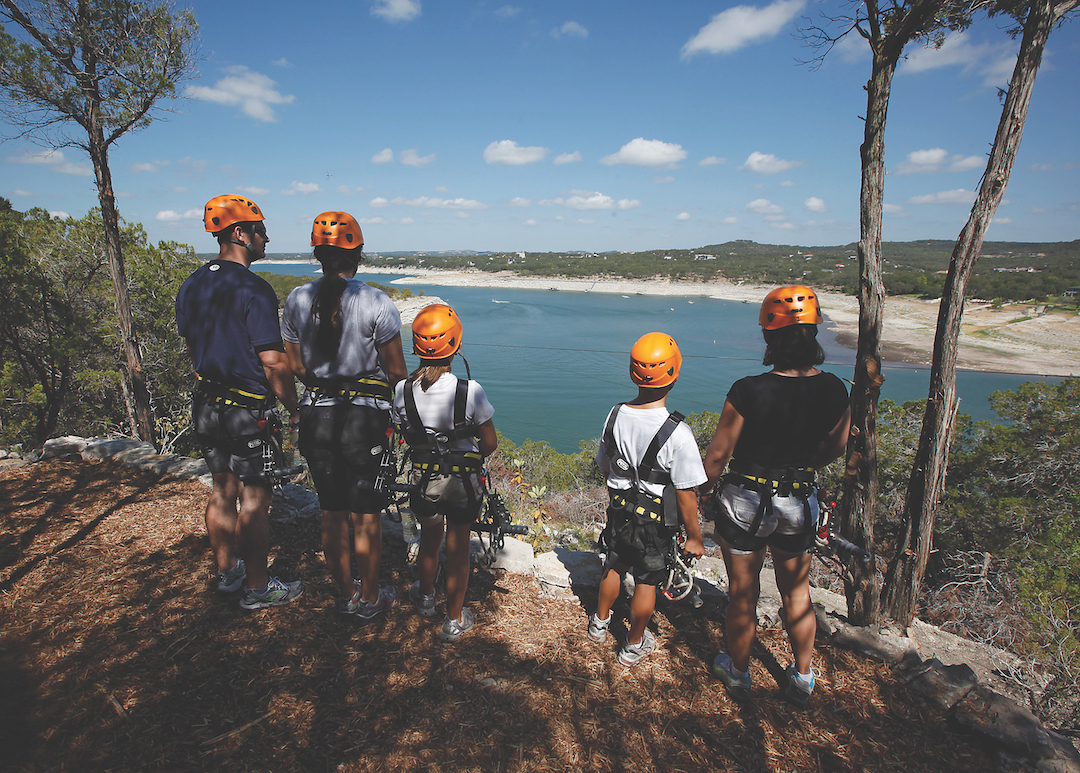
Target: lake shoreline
pixel 1001 340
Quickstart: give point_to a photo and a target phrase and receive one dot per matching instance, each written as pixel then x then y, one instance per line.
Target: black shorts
pixel 343 445
pixel 642 545
pixel 232 438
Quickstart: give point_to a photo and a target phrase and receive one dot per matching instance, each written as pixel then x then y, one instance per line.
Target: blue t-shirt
pixel 228 315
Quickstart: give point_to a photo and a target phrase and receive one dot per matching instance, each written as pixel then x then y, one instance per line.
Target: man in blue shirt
pixel 228 316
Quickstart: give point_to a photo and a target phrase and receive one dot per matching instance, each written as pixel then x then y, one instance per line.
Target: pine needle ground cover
pixel 117 654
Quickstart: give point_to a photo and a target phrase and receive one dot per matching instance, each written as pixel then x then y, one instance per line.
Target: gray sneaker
pixel 275 594
pixel 632 654
pixel 598 628
pixel 452 630
pixel 350 605
pixel 230 581
pixel 368 611
pixel 425 605
pixel 738 687
pixel 797 690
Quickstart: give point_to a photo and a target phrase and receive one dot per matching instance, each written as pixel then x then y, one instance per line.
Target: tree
pixel 104 65
pixel 931 460
pixel 887 28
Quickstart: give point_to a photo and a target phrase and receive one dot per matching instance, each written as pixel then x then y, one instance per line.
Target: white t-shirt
pixel 436 408
pixel 634 430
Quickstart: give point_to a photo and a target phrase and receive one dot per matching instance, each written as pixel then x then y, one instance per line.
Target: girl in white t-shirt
pixel 448 423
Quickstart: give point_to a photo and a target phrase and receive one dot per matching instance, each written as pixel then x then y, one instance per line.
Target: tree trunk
pixel 857 512
pixel 927 479
pixel 136 376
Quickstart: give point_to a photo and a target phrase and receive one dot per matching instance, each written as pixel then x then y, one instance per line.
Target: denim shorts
pixel 785 528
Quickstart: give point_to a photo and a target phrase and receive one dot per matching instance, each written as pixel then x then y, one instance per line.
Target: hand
pixel 694 547
pixel 294 419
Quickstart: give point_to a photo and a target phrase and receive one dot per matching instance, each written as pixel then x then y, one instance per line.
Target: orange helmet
pixel 223 211
pixel 436 332
pixel 791 305
pixel 338 229
pixel 655 360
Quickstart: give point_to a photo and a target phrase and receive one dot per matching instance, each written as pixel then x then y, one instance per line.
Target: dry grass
pixel 115 654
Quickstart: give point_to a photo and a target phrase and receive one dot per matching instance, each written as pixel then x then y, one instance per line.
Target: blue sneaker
pixel 798 688
pixel 738 687
pixel 274 594
pixel 230 581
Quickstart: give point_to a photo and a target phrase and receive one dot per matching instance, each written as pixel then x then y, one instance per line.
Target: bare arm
pixel 723 443
pixel 295 362
pixel 393 359
pixel 486 438
pixel 688 510
pixel 279 374
pixel 835 442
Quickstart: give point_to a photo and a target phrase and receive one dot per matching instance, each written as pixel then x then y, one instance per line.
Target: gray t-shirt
pixel 368 320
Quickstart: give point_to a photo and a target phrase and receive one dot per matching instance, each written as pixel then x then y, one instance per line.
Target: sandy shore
pixel 1003 340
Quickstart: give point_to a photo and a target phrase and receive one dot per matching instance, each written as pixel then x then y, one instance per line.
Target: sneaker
pixel 231 580
pixel 350 605
pixel 632 654
pixel 737 686
pixel 368 611
pixel 798 689
pixel 452 630
pixel 598 628
pixel 275 594
pixel 425 605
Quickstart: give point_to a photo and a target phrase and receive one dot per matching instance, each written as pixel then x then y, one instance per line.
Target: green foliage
pixel 543 466
pixel 284 284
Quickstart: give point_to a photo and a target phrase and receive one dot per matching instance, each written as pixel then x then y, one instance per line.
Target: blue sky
pixel 571 126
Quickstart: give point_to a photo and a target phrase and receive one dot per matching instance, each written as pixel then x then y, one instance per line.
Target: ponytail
pixel 326 305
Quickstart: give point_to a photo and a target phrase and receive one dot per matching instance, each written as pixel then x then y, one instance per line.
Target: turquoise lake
pixel 553 363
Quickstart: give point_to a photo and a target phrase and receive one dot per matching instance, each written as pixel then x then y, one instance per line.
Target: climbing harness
pixel 637 501
pixel 347 389
pixel 679 582
pixel 767 482
pixel 494 521
pixel 834 551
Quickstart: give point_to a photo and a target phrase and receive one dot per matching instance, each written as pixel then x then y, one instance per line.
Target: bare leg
pixel 367 544
pixel 741 616
pixel 792 579
pixel 336 550
pixel 641 609
pixel 253 532
pixel 610 585
pixel 457 567
pixel 221 518
pixel 431 536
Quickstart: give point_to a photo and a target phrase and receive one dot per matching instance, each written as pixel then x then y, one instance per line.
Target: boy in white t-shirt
pixel 653 467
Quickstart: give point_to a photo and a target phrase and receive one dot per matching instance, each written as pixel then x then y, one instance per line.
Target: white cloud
pixel 583 200
pixel 711 161
pixel 584 221
pixel 786 226
pixel 567 158
pixel 958 196
pixel 147 166
pixel 519 201
pixel 683 216
pixel 23 194
pixel 406 221
pixel 767 163
pixel 59 213
pixel 299 187
pixel 994 61
pixel 937 160
pixel 643 152
pixel 737 27
pixel 661 180
pixel 509 153
pixel 168 216
pixel 54 161
pixel 190 167
pixel 507 12
pixel 441 189
pixel 461 215
pixel 730 220
pixel 378 201
pixel 787 184
pixel 252 190
pixel 765 207
pixel 396 10
pixel 282 62
pixel 814 204
pixel 531 222
pixel 570 29
pixel 179 189
pixel 384 156
pixel 346 190
pixel 253 91
pixel 425 202
pixel 1001 220
pixel 892 209
pixel 377 220
pixel 412 158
